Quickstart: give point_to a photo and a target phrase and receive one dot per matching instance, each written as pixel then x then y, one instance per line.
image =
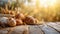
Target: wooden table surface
pixel 48 28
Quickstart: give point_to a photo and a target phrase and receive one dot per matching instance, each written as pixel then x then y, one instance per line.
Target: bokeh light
pixel 46 3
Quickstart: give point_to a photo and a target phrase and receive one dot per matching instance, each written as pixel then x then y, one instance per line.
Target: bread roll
pixel 3 21
pixel 12 22
pixel 19 22
pixel 19 16
pixel 29 20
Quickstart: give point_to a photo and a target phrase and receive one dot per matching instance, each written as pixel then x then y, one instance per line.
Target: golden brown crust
pixel 30 20
pixel 19 22
pixel 11 22
pixel 19 16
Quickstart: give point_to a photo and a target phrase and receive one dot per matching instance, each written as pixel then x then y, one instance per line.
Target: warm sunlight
pixel 46 3
pixel 32 3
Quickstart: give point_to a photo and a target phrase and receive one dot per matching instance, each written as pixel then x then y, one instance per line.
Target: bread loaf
pixel 29 20
pixel 3 21
pixel 19 16
pixel 12 22
pixel 19 22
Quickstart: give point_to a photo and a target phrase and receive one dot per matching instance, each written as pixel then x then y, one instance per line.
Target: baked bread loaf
pixel 19 16
pixel 11 22
pixel 3 21
pixel 30 20
pixel 19 22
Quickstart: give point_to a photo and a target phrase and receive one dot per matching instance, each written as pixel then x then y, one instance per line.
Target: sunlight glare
pixel 46 3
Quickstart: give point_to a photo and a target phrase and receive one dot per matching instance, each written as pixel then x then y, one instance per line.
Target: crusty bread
pixel 19 22
pixel 11 22
pixel 29 20
pixel 19 16
pixel 3 21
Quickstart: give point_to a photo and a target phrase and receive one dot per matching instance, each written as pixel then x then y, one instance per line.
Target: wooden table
pixel 48 28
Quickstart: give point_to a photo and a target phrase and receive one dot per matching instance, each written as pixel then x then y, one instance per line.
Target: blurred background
pixel 48 10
